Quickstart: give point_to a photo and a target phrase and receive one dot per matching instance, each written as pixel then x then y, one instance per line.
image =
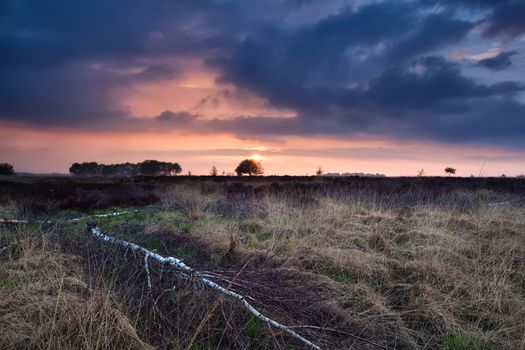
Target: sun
pixel 256 157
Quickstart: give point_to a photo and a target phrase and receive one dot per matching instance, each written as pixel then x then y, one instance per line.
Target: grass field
pixel 353 263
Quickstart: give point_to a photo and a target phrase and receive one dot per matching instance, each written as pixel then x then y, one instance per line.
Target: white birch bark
pixel 177 263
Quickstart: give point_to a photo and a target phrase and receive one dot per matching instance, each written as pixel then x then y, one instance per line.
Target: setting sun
pixel 256 157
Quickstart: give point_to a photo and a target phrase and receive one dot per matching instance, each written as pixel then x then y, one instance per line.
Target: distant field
pixel 352 263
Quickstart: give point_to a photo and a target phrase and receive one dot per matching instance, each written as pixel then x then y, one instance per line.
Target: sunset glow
pixel 256 157
pixel 292 85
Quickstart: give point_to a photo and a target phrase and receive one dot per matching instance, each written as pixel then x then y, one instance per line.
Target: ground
pixel 361 263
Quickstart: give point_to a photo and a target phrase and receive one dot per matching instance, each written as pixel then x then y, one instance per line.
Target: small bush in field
pixel 6 169
pixel 450 170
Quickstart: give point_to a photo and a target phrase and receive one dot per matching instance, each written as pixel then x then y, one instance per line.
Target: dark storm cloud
pixel 507 20
pixel 428 83
pixel 374 69
pixel 501 61
pixel 425 98
pixel 471 3
pixel 435 31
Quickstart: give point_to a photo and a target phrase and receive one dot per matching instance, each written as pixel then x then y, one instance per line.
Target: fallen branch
pixel 499 204
pixel 177 263
pixel 117 213
pixel 13 222
pixel 146 267
pixel 69 221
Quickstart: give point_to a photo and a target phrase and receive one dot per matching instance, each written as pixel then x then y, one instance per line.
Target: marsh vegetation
pixel 414 263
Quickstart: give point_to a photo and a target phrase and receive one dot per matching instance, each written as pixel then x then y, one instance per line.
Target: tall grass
pixel 404 266
pixel 419 269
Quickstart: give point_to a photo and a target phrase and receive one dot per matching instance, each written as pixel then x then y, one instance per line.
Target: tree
pixel 75 169
pixel 319 172
pixel 150 167
pixel 250 167
pixel 147 167
pixel 172 168
pixel 6 169
pixel 214 171
pixel 154 168
pixel 86 168
pixel 421 172
pixel 450 170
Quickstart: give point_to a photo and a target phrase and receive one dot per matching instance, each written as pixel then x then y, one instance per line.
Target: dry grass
pixel 405 271
pixel 428 274
pixel 44 304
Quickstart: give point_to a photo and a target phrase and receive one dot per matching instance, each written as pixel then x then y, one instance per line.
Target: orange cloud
pixel 196 90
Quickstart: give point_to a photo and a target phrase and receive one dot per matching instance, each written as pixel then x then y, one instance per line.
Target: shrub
pixel 6 169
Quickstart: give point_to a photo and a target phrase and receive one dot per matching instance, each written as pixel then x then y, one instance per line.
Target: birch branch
pixel 69 221
pixel 177 263
pixel 146 267
pixel 13 222
pixel 117 213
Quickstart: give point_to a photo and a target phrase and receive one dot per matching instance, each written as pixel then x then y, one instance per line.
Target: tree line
pixel 145 168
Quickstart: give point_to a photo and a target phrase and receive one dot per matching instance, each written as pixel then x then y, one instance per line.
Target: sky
pixel 388 87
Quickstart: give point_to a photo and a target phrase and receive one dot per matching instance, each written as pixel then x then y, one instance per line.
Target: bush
pixel 6 169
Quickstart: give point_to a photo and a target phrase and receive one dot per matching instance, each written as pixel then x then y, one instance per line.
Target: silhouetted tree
pixel 108 169
pixel 213 171
pixel 421 172
pixel 250 167
pixel 86 168
pixel 147 167
pixel 6 169
pixel 450 170
pixel 75 169
pixel 155 167
pixel 150 167
pixel 319 172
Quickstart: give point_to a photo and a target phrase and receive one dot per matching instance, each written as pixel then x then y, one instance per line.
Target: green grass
pixel 340 277
pixel 186 227
pixel 186 251
pixel 10 284
pixel 255 328
pixel 152 245
pixel 466 340
pixel 359 242
pixel 402 249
